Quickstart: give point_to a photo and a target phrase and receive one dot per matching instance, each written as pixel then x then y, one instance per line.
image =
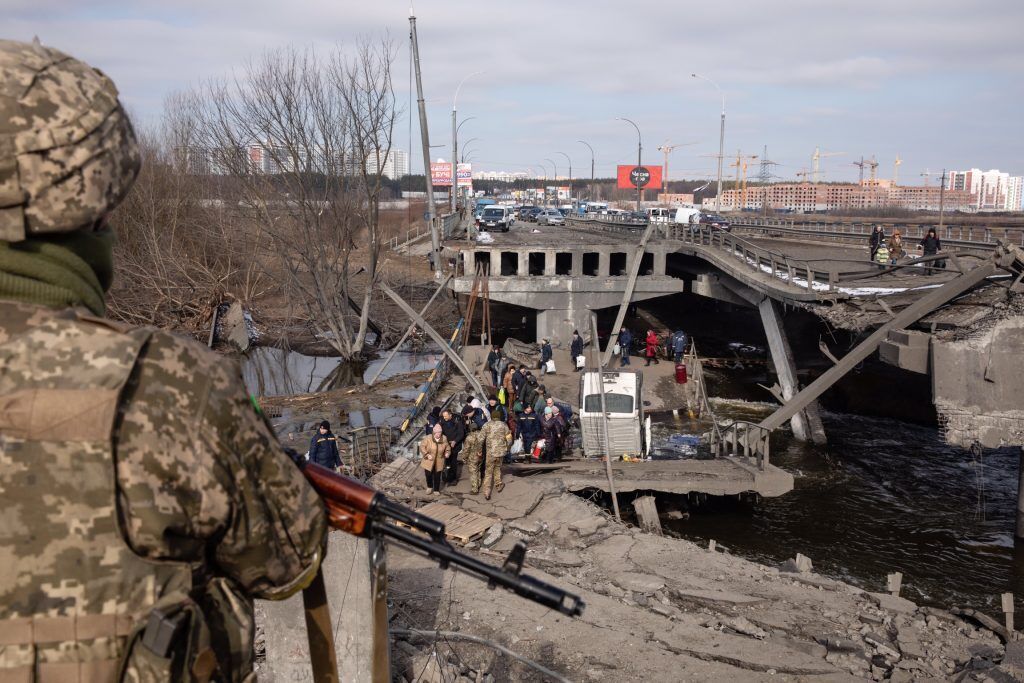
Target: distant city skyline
pixel 938 84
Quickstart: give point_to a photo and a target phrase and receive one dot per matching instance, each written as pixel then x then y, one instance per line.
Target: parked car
pixel 496 218
pixel 550 217
pixel 531 214
pixel 716 222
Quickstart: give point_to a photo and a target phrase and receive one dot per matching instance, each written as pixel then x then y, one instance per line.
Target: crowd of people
pixel 889 251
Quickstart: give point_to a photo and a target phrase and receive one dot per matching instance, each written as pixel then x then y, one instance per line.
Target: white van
pixel 628 430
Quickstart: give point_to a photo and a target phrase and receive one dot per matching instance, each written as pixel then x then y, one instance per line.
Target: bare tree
pixel 178 254
pixel 303 142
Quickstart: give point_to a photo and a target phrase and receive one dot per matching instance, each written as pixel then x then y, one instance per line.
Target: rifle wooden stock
pixel 348 502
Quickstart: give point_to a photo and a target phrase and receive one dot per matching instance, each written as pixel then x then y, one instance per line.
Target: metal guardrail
pixel 749 439
pixel 437 377
pixel 823 275
pixel 446 224
pixel 964 236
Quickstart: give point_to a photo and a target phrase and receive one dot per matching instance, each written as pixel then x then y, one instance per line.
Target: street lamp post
pixel 584 142
pixel 554 179
pixel 570 174
pixel 465 145
pixel 721 140
pixel 639 156
pixel 455 141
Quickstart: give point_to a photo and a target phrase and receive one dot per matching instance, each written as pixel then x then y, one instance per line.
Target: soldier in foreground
pixel 144 502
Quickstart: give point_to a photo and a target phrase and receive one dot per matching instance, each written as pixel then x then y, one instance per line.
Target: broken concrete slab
pixel 723 597
pixel 800 564
pixel 492 536
pixel 530 527
pixel 588 526
pixel 236 327
pixel 893 603
pixel 516 500
pixel 639 583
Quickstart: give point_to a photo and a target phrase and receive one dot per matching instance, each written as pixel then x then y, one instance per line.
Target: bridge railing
pixel 446 223
pixel 817 275
pixel 740 437
pixel 966 236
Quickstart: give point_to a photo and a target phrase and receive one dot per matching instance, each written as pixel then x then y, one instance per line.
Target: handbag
pixel 581 361
pixel 517 447
pixel 616 350
pixel 551 366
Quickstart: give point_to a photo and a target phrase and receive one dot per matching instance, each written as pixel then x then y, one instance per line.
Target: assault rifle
pixel 363 511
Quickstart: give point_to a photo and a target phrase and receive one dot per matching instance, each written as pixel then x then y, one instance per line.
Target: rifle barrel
pixel 524 586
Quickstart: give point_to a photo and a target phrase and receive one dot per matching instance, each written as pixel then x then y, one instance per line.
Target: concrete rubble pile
pixel 660 608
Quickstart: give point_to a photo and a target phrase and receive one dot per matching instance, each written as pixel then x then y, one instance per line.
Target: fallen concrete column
pixel 807 422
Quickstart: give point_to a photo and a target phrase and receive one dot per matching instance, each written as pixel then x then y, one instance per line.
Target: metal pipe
pixel 604 414
pixel 584 142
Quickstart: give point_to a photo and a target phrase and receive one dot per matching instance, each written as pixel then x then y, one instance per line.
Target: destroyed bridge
pixel 920 317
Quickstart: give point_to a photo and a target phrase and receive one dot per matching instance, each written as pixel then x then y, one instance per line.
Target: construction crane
pixel 874 169
pixel 741 167
pixel 927 175
pixel 816 161
pixel 802 174
pixel 896 170
pixel 666 149
pixel 860 164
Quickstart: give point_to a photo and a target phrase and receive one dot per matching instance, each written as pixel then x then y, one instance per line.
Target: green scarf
pixel 59 271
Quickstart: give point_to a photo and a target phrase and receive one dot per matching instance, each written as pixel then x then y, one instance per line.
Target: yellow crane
pixel 741 164
pixel 816 162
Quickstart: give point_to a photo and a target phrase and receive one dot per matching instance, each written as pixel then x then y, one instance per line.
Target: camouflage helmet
pixel 68 153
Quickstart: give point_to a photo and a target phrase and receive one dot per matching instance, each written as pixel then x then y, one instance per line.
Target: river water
pixel 883 496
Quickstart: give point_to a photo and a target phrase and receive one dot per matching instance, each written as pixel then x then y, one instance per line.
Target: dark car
pixel 497 218
pixel 716 222
pixel 530 214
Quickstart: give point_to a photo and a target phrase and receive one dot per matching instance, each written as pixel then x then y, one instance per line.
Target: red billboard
pixel 645 177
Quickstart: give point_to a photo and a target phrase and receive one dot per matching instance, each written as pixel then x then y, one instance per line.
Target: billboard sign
pixel 631 177
pixel 441 174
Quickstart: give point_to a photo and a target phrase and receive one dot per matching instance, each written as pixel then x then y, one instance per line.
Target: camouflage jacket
pixel 202 496
pixel 497 436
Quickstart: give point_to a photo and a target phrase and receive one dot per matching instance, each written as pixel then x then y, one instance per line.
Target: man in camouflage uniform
pixel 473 451
pixel 143 502
pixel 497 437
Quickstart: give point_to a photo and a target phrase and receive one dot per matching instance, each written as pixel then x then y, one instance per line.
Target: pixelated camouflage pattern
pixel 201 486
pixel 497 436
pixel 472 455
pixel 68 154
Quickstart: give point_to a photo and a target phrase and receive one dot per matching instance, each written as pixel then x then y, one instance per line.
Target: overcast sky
pixel 937 82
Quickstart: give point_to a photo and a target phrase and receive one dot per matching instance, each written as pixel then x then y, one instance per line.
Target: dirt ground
pixel 660 609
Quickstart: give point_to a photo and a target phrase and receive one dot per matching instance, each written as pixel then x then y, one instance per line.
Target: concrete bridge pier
pixel 558 324
pixel 806 424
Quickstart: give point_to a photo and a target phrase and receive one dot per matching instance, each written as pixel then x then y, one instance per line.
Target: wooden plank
pixel 460 525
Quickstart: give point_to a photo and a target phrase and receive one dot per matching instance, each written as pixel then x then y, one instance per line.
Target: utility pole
pixel 721 140
pixel 435 237
pixel 942 200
